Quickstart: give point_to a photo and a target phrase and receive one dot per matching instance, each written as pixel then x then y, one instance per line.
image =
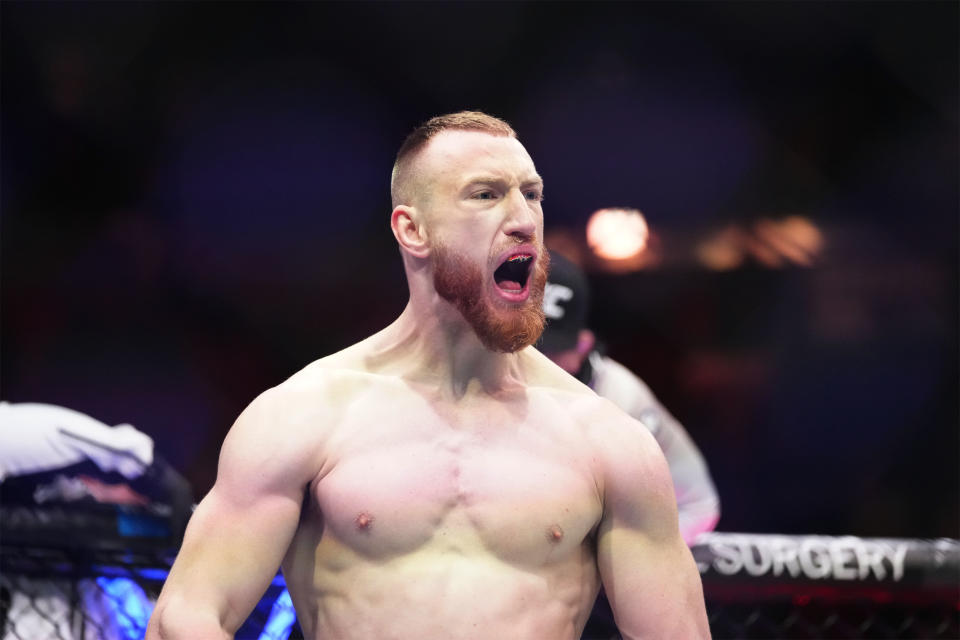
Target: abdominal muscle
pixel 437 593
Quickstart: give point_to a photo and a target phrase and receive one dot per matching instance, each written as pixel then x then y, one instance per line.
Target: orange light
pixel 795 238
pixel 617 234
pixel 722 251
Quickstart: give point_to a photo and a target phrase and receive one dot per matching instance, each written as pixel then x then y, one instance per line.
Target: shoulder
pixel 629 466
pixel 616 434
pixel 313 398
pixel 602 420
pixel 288 427
pixel 607 428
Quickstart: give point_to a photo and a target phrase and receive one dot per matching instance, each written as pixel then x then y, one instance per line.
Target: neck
pixel 433 344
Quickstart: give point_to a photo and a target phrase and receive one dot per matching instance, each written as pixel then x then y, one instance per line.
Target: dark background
pixel 195 205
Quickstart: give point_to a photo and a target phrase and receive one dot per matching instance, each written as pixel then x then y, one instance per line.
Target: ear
pixel 585 342
pixel 408 232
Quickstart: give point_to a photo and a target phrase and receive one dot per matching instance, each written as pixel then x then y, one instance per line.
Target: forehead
pixel 455 155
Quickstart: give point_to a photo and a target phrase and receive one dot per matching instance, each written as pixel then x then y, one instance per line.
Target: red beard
pixel 505 330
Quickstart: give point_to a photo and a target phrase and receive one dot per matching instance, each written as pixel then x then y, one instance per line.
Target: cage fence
pixel 756 586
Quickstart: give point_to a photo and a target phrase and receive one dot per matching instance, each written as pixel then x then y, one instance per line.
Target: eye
pixel 484 195
pixel 533 194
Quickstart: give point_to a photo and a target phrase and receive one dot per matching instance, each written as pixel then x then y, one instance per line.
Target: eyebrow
pixel 484 178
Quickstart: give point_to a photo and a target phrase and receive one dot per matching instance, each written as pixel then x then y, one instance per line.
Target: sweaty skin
pixel 420 485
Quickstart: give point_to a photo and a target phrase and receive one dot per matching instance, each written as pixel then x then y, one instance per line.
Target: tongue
pixel 510 285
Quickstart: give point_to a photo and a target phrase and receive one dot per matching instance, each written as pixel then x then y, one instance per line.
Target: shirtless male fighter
pixel 442 478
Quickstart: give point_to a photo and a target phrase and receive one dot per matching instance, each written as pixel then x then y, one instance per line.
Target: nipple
pixel 555 533
pixel 364 521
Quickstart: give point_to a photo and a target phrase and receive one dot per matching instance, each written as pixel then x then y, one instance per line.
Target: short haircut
pixel 461 121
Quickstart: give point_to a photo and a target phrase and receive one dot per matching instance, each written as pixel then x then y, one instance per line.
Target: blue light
pixel 282 617
pixel 159 575
pixel 131 607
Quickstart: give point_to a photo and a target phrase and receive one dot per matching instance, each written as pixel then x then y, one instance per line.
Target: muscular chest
pixel 513 491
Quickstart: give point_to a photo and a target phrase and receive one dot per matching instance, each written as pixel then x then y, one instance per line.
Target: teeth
pixel 519 259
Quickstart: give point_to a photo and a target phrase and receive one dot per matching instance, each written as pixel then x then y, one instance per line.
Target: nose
pixel 522 218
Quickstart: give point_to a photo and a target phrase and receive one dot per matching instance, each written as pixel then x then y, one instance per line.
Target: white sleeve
pixel 697 499
pixel 39 437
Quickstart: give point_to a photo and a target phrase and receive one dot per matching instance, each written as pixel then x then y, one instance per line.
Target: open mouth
pixel 513 274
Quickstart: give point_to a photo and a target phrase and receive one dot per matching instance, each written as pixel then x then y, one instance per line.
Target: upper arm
pixel 239 533
pixel 647 570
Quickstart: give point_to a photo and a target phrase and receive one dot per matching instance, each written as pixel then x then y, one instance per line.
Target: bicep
pixel 239 533
pixel 647 570
pixel 231 552
pixel 653 585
